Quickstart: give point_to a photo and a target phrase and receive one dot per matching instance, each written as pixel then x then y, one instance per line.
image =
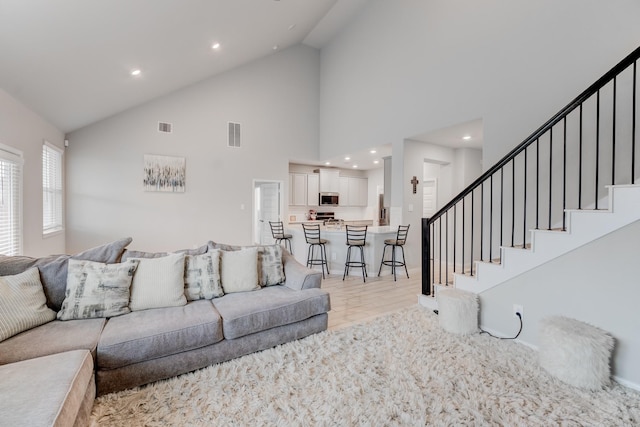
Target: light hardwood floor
pixel 353 301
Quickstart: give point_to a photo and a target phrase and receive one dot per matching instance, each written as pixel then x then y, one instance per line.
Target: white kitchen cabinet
pixel 343 200
pixel 354 191
pixel 313 189
pixel 329 180
pixel 358 191
pixel 298 189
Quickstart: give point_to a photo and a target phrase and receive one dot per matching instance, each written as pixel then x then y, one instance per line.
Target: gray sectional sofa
pixel 147 345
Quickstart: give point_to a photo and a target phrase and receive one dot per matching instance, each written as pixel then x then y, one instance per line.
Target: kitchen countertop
pixel 384 229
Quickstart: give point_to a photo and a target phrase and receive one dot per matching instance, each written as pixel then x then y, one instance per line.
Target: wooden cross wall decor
pixel 415 182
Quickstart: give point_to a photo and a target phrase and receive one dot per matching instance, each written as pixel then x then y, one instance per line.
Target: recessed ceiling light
pixel 216 45
pixel 327 163
pixel 347 158
pixel 355 166
pixel 466 137
pixel 375 162
pixel 373 151
pixel 136 72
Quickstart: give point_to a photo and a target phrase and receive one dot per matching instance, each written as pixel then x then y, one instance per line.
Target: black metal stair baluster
pixel 633 127
pixel 537 183
pixel 513 200
pixel 597 145
pixel 550 172
pixel 472 210
pixel 440 249
pixel 482 221
pixel 455 229
pixel 613 135
pixel 446 247
pixel 501 210
pixel 564 176
pixel 580 160
pixel 463 221
pixel 524 202
pixel 491 221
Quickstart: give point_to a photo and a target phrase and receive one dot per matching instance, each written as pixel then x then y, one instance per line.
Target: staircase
pixel 572 181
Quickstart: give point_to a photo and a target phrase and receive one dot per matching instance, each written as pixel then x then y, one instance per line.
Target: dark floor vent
pixel 234 134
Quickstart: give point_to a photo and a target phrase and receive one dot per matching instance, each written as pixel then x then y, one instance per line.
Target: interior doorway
pixel 267 206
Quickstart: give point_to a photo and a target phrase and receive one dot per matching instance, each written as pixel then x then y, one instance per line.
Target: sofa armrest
pixel 297 276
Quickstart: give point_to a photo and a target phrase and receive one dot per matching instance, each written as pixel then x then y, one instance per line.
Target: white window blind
pixel 51 189
pixel 10 202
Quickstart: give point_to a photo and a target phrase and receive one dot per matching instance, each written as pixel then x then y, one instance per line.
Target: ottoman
pixel 458 311
pixel 575 352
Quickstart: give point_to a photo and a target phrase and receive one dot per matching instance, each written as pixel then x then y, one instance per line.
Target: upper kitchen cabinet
pixel 329 181
pixel 354 191
pixel 313 189
pixel 298 189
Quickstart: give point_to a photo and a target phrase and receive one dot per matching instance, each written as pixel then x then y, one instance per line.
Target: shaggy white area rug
pixel 401 369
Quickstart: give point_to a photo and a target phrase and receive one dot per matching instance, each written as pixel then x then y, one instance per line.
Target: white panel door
pixel 429 197
pixel 267 208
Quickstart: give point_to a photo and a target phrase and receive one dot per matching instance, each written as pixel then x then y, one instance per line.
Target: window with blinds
pixel 51 189
pixel 10 201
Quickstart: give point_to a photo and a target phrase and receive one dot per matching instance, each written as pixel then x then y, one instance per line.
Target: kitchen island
pixel 337 248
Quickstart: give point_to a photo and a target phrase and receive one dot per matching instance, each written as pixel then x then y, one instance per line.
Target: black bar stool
pixel 398 242
pixel 312 236
pixel 277 231
pixel 356 238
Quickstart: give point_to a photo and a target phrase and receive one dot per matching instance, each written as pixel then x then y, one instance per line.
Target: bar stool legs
pixel 349 263
pixel 399 241
pixel 393 263
pixel 313 259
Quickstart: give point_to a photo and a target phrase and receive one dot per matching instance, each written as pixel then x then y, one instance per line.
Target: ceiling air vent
pixel 234 134
pixel 164 127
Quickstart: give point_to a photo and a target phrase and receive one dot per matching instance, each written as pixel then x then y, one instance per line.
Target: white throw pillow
pixel 96 289
pixel 22 303
pixel 202 276
pixel 239 270
pixel 158 282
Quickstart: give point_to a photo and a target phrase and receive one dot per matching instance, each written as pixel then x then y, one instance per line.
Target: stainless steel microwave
pixel 328 199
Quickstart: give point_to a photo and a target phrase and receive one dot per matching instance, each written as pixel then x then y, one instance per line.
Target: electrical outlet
pixel 333 256
pixel 517 309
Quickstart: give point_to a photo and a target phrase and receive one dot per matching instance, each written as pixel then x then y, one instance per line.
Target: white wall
pixel 25 130
pixel 276 101
pixel 597 283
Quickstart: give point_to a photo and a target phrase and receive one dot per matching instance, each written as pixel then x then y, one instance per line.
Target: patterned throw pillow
pixel 95 289
pixel 158 282
pixel 202 276
pixel 22 303
pixel 270 265
pixel 239 270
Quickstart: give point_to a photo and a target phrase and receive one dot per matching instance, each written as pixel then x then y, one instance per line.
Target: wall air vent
pixel 164 127
pixel 234 134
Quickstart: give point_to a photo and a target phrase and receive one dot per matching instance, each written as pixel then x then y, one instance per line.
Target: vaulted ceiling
pixel 71 61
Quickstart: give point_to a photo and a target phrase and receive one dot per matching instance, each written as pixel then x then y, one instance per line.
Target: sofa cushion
pixel 158 282
pixel 202 276
pixel 95 289
pixel 46 391
pixel 250 312
pixel 239 270
pixel 53 268
pixel 50 338
pixel 150 334
pixel 22 303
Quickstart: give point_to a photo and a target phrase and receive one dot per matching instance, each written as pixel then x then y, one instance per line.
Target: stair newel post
pixel 426 258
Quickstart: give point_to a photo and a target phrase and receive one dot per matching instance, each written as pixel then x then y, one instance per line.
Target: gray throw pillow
pixel 270 266
pixel 95 289
pixel 142 254
pixel 22 303
pixel 53 268
pixel 202 276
